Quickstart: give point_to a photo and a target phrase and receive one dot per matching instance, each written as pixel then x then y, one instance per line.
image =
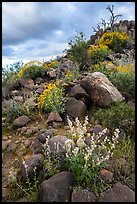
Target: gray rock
pixel 82 195
pixel 27 143
pixel 11 147
pixel 101 90
pixel 5 192
pixel 75 108
pixel 106 175
pixel 18 98
pixel 118 193
pixel 24 199
pixel 28 132
pixel 42 137
pixel 4 145
pixel 97 129
pixel 52 73
pixel 79 93
pixel 56 125
pixel 58 188
pixel 21 121
pixel 30 102
pixel 57 146
pixel 27 83
pixel 54 116
pixel 37 147
pixel 39 90
pixel 15 93
pixel 10 86
pixel 38 80
pixel 35 161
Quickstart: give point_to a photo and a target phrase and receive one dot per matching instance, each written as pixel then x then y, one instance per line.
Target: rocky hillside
pixel 68 126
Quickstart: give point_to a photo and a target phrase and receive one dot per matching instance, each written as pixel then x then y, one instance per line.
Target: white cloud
pixel 42 29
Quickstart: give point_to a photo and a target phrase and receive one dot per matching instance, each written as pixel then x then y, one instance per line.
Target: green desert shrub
pixel 83 160
pixel 125 83
pixel 10 72
pixel 119 115
pixel 34 71
pixel 17 108
pixel 77 51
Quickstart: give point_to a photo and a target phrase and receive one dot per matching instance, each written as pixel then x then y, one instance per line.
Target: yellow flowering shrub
pixel 98 53
pixel 72 74
pixel 126 69
pixel 27 65
pixel 114 40
pixel 52 99
pixel 105 67
pixel 53 64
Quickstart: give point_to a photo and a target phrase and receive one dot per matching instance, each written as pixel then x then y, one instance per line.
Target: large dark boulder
pixel 20 121
pixel 100 89
pixel 28 167
pixel 118 193
pixel 58 188
pixel 79 93
pixel 75 108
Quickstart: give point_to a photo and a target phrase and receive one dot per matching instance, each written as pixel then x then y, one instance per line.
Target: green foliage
pixel 34 71
pixel 125 83
pixel 10 71
pixel 84 160
pixel 84 174
pixel 52 162
pixel 16 109
pixel 78 50
pixel 19 188
pixel 116 115
pixel 123 162
pixel 125 149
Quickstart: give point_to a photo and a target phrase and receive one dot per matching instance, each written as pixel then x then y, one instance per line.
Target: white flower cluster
pixel 78 131
pixel 100 148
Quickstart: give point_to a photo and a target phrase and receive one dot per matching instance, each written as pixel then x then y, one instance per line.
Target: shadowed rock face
pixel 58 188
pixel 118 193
pixel 75 108
pixel 101 90
pixel 79 93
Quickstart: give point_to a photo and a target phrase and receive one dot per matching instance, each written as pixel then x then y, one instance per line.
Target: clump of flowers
pixel 105 67
pixel 27 65
pixel 53 64
pixel 72 74
pixel 98 53
pixel 85 160
pixel 52 99
pixel 130 69
pixel 114 40
pixel 52 162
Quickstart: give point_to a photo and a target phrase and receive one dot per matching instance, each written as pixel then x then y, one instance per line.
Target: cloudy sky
pixel 41 30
